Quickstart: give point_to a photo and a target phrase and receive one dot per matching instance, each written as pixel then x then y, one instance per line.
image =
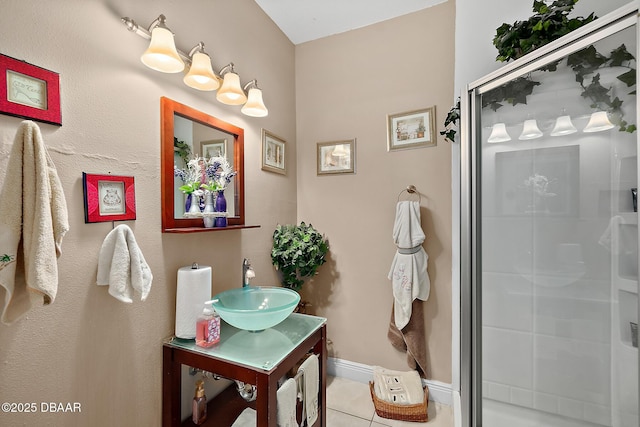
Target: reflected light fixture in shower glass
pixel 598 122
pixel 530 130
pixel 563 126
pixel 499 133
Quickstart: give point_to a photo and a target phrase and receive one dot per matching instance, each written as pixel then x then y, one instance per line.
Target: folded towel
pixel 33 222
pixel 122 266
pixel 311 385
pixel 398 387
pixel 246 419
pixel 287 396
pixel 408 273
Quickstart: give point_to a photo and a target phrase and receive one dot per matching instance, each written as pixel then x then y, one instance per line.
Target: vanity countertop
pixel 260 350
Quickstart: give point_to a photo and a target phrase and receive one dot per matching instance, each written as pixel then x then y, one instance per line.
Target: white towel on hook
pixel 287 396
pixel 122 266
pixel 408 273
pixel 310 384
pixel 33 222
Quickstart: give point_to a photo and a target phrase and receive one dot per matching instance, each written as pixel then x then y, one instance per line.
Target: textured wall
pixel 87 347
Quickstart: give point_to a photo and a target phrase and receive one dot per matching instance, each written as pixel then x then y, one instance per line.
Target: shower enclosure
pixel 549 232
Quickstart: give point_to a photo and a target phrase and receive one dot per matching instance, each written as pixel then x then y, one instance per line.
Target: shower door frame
pixel 470 192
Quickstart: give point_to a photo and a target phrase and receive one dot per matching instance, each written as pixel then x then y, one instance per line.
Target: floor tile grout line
pixel 354 415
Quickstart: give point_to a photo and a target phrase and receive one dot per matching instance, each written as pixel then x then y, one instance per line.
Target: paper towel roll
pixel 193 290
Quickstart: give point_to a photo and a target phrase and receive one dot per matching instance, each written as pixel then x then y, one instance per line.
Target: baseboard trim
pixel 438 391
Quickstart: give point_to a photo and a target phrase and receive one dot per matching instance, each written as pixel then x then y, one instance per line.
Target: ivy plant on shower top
pixel 549 23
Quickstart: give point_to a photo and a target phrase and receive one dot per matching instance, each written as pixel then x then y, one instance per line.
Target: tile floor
pixel 349 404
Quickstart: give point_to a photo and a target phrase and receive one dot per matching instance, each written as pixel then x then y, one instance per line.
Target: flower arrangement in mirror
pixel 202 177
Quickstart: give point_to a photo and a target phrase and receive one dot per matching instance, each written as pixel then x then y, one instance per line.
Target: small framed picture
pixel 411 129
pixel 108 198
pixel 273 153
pixel 213 148
pixel 29 91
pixel 337 157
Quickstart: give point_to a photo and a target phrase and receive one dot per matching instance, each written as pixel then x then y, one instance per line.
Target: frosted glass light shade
pixel 499 133
pixel 161 55
pixel 255 106
pixel 530 130
pixel 563 126
pixel 598 122
pixel 231 92
pixel 200 75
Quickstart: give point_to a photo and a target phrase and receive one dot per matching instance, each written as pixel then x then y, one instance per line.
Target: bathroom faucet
pixel 247 272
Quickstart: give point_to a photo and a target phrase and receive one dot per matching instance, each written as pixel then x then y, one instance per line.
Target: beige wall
pixel 87 347
pixel 345 86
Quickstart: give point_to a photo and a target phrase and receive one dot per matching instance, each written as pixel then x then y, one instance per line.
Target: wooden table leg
pixel 266 402
pixel 171 389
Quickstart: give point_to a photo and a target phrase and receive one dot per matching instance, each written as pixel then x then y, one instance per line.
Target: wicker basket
pixel 416 412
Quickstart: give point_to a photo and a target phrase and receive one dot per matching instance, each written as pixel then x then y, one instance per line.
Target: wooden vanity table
pixel 257 358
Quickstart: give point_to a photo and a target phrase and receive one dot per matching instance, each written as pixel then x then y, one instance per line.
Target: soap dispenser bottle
pixel 199 404
pixel 208 327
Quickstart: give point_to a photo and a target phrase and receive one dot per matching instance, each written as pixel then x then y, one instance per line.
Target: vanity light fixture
pixel 499 133
pixel 162 55
pixel 530 130
pixel 563 126
pixel 201 75
pixel 598 122
pixel 255 106
pixel 230 92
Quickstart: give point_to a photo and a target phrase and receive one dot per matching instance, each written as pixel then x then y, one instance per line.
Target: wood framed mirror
pixel 187 132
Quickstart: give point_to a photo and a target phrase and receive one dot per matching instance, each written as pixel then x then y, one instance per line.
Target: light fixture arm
pixel 197 48
pixel 160 21
pixel 227 68
pixel 253 83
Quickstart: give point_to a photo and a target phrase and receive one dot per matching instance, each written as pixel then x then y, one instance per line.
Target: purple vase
pixel 220 205
pixel 187 203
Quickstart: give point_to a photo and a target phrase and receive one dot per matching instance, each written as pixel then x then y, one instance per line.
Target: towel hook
pixel 411 189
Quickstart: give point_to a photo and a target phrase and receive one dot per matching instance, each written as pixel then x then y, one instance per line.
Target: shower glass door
pixel 556 282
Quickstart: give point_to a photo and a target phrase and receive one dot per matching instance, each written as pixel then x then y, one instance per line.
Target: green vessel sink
pixel 255 308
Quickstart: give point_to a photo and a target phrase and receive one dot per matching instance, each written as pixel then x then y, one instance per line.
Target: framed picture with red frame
pixel 108 198
pixel 29 91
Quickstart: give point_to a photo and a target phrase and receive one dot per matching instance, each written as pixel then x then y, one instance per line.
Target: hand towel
pixel 122 266
pixel 411 339
pixel 246 419
pixel 33 222
pixel 287 396
pixel 408 273
pixel 310 371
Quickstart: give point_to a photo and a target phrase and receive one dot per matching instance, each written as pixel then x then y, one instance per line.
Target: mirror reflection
pixel 191 135
pixel 192 140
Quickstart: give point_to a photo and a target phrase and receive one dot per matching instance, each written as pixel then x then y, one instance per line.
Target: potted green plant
pixel 297 252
